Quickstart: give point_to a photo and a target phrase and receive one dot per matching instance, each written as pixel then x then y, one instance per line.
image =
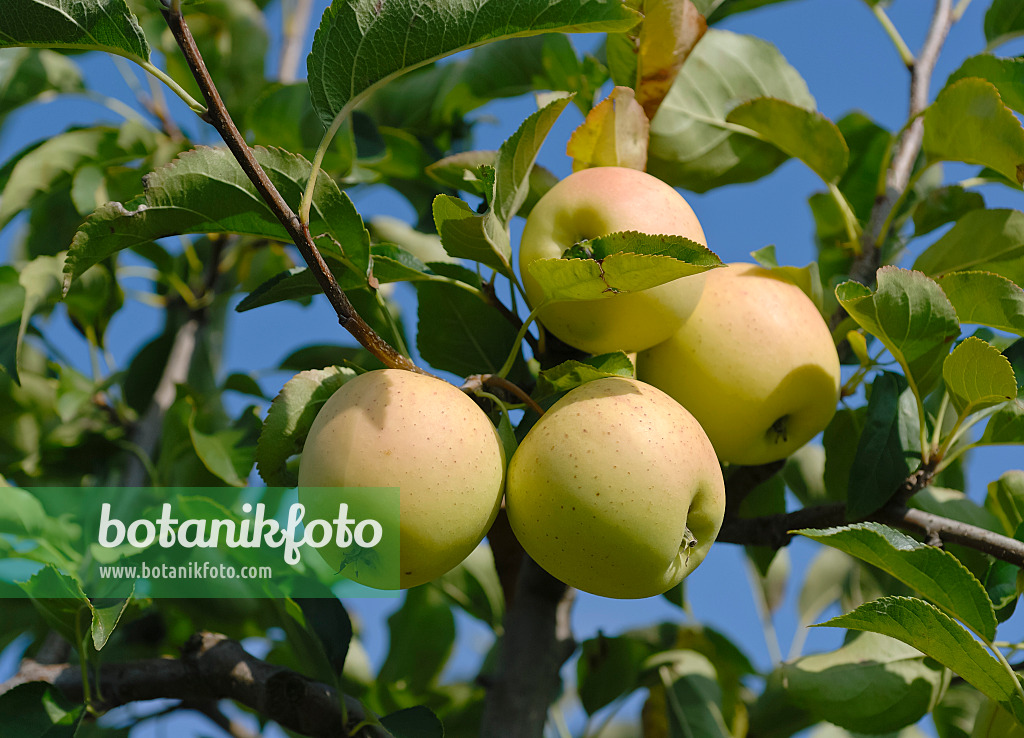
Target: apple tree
pixel 213 186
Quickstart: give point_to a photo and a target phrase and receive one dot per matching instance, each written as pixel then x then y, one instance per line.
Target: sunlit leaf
pixel 94 25
pixel 977 376
pixel 1006 74
pixel 614 134
pixel 988 240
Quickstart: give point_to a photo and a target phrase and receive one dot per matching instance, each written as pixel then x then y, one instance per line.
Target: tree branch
pixel 906 149
pixel 217 115
pixel 537 641
pixel 212 667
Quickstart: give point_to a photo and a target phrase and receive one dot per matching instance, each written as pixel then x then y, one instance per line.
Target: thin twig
pixel 906 149
pixel 494 381
pixel 218 116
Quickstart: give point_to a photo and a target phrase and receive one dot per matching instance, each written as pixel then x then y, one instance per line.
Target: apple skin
pixel 754 362
pixel 396 428
pixel 595 202
pixel 602 488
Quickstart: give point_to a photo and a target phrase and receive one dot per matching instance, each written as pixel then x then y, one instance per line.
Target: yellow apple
pixel 754 362
pixel 595 202
pixel 395 428
pixel 616 490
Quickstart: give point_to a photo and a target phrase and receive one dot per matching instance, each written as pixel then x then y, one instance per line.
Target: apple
pixel 396 428
pixel 754 362
pixel 616 490
pixel 595 202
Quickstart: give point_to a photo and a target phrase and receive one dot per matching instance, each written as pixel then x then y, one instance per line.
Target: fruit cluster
pixel 618 488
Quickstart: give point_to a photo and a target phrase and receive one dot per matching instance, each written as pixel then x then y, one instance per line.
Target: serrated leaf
pixel 911 316
pixel 463 233
pixel 229 453
pixel 459 333
pixel 944 205
pixel 1006 74
pixel 934 573
pixel 873 684
pixel 691 144
pixel 39 710
pixel 572 373
pixel 614 134
pixel 977 376
pixel 460 172
pixel 404 36
pixel 205 191
pixel 968 122
pixel 985 298
pixel 289 418
pixel 803 134
pixel 988 240
pixel 60 601
pixel 1003 21
pixel 93 25
pixel 621 262
pixel 515 160
pixel 934 633
pixel 28 74
pixel 881 462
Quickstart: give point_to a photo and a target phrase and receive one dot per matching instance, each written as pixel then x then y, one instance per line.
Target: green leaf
pixel 515 160
pixel 693 697
pixel 911 316
pixel 205 191
pixel 39 710
pixel 621 262
pixel 105 619
pixel 1003 21
pixel 873 684
pixel 405 36
pixel 806 278
pixel 93 25
pixel 459 333
pixel 413 722
pixel 460 172
pixel 28 74
pixel 463 233
pixel 1005 426
pixel 474 586
pixel 968 122
pixel 40 280
pixel 12 307
pixel 978 376
pixel 803 134
pixel 229 453
pixel 51 165
pixel 934 573
pixel 572 373
pixel 982 240
pixel 929 630
pixel 1006 74
pixel 691 144
pixel 944 205
pixel 422 637
pixel 823 582
pixel 840 450
pixel 60 601
pixel 289 418
pixel 984 298
pixel 328 620
pixel 609 668
pixel 881 462
pixel 1005 500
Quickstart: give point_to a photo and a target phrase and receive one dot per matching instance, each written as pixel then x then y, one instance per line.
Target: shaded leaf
pixel 929 630
pixel 944 205
pixel 1003 21
pixel 933 572
pixel 1006 74
pixel 984 298
pixel 289 418
pixel 30 74
pixel 988 240
pixel 691 144
pixel 93 25
pixel 572 373
pixel 413 722
pixel 404 36
pixel 39 710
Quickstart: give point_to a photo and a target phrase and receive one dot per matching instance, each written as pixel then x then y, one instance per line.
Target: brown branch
pixel 217 115
pixel 776 531
pixel 212 667
pixel 908 146
pixel 537 642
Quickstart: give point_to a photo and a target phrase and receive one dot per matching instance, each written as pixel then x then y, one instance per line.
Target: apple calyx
pixel 779 430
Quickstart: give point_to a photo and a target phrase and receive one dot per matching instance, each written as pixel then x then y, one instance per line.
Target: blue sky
pixel 848 63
